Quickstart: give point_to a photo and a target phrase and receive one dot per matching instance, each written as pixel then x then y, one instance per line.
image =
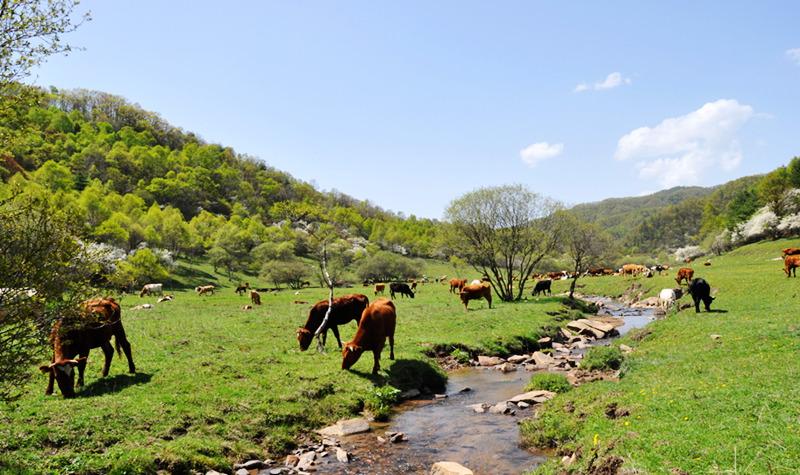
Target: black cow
pixel 400 288
pixel 542 287
pixel 700 290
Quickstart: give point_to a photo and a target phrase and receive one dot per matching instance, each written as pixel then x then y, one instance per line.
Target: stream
pixel 446 429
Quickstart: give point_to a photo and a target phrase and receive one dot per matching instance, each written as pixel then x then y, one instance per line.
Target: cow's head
pixel 350 354
pixel 304 337
pixel 411 294
pixel 64 373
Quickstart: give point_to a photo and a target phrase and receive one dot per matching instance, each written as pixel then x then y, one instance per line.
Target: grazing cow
pixel 255 297
pixel 700 290
pixel 791 251
pixel 204 289
pixel 345 309
pixel 688 260
pixel 456 285
pixel 633 269
pixel 400 288
pixel 542 287
pixel 247 307
pixel 707 263
pixel 242 288
pixel 379 288
pixel 790 265
pixel 475 292
pixel 377 324
pixel 659 268
pixel 152 289
pixel 557 275
pixel 99 321
pixel 684 273
pixel 667 297
pixel 166 298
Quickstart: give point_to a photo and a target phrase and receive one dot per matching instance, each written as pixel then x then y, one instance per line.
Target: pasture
pixel 217 385
pixel 697 404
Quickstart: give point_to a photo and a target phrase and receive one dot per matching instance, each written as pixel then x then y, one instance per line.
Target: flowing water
pixel 447 429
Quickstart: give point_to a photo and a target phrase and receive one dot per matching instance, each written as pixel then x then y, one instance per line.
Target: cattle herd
pixel 101 318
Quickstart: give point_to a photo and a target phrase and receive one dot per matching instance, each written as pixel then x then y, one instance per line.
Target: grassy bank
pixel 697 404
pixel 217 384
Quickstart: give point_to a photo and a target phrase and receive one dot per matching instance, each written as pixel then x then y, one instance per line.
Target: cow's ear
pixel 45 368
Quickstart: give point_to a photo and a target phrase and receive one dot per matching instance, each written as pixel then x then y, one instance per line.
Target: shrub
pixel 460 355
pixel 556 383
pixel 379 401
pixel 602 358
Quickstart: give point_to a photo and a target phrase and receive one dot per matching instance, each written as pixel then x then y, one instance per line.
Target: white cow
pixel 152 289
pixel 667 297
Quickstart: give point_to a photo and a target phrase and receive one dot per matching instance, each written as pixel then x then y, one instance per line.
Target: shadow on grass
pixel 114 384
pixel 407 374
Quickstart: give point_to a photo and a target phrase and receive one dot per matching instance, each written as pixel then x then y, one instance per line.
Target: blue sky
pixel 411 104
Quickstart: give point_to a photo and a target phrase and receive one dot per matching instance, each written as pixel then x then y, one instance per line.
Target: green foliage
pixel 291 272
pixel 602 358
pixel 45 275
pixel 141 268
pixel 772 189
pixel 554 382
pixel 460 355
pixel 386 266
pixel 379 401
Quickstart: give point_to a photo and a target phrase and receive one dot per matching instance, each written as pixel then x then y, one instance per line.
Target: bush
pixel 292 272
pixel 602 358
pixel 460 355
pixel 556 383
pixel 379 402
pixel 385 266
pixel 141 268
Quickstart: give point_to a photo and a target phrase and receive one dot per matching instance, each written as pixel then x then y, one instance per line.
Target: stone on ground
pixel 449 468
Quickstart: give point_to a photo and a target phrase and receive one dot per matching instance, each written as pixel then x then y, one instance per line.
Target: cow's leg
pixel 377 365
pixel 108 351
pixel 707 303
pixel 335 330
pixel 696 305
pixel 122 341
pixel 51 380
pixel 391 346
pixel 82 357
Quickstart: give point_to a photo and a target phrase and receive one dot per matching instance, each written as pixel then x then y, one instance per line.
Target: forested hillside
pixel 131 179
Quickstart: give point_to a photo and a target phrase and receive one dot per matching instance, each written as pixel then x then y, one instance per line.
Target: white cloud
pixel 611 81
pixel 794 55
pixel 680 150
pixel 539 152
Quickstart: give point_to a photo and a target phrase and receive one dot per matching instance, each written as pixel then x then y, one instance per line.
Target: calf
pixel 700 291
pixel 204 289
pixel 242 288
pixel 345 309
pixel 684 273
pixel 379 288
pixel 152 289
pixel 400 288
pixel 790 265
pixel 99 321
pixel 542 287
pixel 255 297
pixel 377 323
pixel 475 292
pixel 456 285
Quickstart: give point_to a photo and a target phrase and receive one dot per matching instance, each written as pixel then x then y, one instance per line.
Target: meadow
pixel 217 385
pixel 698 404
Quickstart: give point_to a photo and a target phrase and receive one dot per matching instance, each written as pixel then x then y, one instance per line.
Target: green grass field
pixel 217 384
pixel 697 404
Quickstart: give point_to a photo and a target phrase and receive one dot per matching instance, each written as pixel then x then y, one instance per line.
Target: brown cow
pixel 255 297
pixel 99 321
pixel 790 265
pixel 377 323
pixel 413 285
pixel 633 269
pixel 204 289
pixel 345 309
pixel 380 288
pixel 684 273
pixel 791 251
pixel 475 292
pixel 456 285
pixel 242 288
